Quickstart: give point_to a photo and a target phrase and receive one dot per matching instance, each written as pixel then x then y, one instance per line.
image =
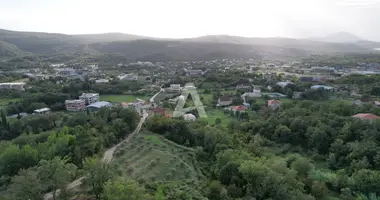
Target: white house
pixel 284 84
pixel 175 87
pixel 256 93
pixel 89 98
pixel 44 111
pixel 14 86
pixel 127 77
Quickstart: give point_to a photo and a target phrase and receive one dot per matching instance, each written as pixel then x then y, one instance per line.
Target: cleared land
pixel 117 98
pixel 153 158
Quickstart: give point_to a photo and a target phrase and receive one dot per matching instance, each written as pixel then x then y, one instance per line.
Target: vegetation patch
pixel 122 98
pixel 149 156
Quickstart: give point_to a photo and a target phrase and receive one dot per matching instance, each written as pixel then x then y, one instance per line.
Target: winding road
pixel 107 156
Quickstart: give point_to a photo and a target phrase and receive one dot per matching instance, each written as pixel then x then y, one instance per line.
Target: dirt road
pixel 107 157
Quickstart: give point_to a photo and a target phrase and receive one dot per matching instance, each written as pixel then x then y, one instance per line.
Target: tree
pixel 97 174
pixel 56 174
pixel 26 185
pixel 218 121
pixel 122 189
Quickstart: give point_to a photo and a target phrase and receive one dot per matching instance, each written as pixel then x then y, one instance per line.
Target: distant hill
pixel 9 50
pixel 340 37
pixel 145 48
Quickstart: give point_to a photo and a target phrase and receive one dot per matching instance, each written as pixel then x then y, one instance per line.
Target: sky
pixel 192 18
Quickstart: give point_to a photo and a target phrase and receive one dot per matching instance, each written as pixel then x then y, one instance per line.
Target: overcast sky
pixel 191 18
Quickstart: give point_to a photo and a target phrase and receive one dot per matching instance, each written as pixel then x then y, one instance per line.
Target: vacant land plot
pixel 213 114
pixel 153 158
pixel 122 98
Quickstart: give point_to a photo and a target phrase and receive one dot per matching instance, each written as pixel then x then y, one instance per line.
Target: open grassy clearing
pixel 213 114
pixel 153 158
pixel 117 98
pixel 5 101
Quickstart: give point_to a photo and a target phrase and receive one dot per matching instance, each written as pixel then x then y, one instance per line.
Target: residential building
pixel 44 111
pixel 243 86
pixel 376 103
pixel 366 116
pixel 67 72
pixel 13 86
pixel 75 105
pixel 328 88
pixel 89 98
pixel 240 108
pixel 175 87
pixel 284 84
pixel 224 101
pixel 196 72
pixel 97 105
pixel 256 93
pixel 102 81
pixel 274 104
pixel 128 77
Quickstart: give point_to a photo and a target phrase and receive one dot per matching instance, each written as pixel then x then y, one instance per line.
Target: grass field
pixel 5 101
pixel 153 158
pixel 212 114
pixel 122 98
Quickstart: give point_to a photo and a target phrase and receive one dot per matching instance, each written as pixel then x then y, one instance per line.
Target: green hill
pixel 9 50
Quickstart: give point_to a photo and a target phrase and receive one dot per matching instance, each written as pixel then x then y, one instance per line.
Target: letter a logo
pixel 189 89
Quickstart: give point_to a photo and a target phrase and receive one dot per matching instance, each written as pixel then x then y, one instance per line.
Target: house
pixel 376 103
pixel 67 72
pixel 158 111
pixel 189 117
pixel 97 105
pixel 224 101
pixel 75 105
pixel 328 88
pixel 43 111
pixel 127 77
pixel 240 108
pixel 175 87
pixel 13 86
pixel 366 116
pixel 89 98
pixel 274 104
pixel 243 86
pixel 102 81
pixel 196 72
pixel 256 93
pixel 284 84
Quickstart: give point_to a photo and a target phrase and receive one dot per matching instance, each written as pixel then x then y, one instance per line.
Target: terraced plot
pixel 153 158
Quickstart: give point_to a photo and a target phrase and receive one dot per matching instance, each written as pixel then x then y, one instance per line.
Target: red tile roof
pixel 368 116
pixel 271 102
pixel 239 108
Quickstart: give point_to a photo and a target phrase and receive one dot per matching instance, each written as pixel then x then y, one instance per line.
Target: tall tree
pixel 122 189
pixel 26 185
pixel 98 174
pixel 56 174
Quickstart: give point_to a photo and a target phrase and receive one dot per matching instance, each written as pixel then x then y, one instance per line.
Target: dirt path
pixel 107 157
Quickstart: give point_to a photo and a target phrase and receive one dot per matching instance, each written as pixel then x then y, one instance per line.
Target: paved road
pixel 107 157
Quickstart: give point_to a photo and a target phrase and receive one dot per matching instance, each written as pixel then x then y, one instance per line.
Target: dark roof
pixel 225 98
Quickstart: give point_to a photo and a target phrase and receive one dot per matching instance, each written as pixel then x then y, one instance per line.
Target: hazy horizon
pixel 188 19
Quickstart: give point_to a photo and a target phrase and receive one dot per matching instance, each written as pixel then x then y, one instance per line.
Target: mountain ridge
pixel 135 46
